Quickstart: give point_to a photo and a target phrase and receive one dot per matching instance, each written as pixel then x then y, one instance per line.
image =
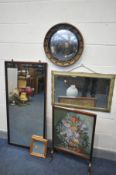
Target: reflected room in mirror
pixel 83 90
pixel 26 101
pixel 63 44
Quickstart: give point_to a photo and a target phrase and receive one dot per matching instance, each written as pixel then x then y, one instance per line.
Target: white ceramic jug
pixel 72 91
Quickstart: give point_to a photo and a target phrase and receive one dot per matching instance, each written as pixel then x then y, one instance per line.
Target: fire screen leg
pixel 89 168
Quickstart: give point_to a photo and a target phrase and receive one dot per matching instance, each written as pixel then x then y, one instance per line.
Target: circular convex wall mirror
pixel 63 44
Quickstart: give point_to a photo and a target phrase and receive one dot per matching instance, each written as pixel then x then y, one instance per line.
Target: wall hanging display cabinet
pixel 26 101
pixel 83 90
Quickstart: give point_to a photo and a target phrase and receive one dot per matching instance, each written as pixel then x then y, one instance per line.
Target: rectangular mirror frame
pixel 7 98
pixel 60 74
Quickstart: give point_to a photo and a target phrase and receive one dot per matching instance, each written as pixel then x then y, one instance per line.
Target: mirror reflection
pixel 26 94
pixel 64 45
pixel 89 91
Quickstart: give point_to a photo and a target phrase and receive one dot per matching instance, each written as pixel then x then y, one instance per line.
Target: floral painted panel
pixel 73 131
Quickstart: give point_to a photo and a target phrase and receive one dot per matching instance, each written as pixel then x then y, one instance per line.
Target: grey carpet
pixel 26 120
pixel 17 161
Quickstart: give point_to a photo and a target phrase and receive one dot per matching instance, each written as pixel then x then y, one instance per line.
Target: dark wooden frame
pixel 47 39
pixel 7 106
pixel 89 158
pixel 38 139
pixel 78 112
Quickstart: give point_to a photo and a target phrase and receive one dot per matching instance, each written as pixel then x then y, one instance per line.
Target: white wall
pixel 23 25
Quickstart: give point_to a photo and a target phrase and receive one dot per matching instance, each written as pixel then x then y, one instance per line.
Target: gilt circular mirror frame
pixel 63 44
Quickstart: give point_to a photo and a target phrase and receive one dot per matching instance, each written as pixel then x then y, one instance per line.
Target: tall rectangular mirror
pixel 26 101
pixel 83 90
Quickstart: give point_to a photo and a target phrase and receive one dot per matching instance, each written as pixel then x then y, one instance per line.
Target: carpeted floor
pixel 22 128
pixel 17 161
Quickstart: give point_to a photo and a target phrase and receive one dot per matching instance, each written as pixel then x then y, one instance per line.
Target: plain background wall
pixel 23 26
